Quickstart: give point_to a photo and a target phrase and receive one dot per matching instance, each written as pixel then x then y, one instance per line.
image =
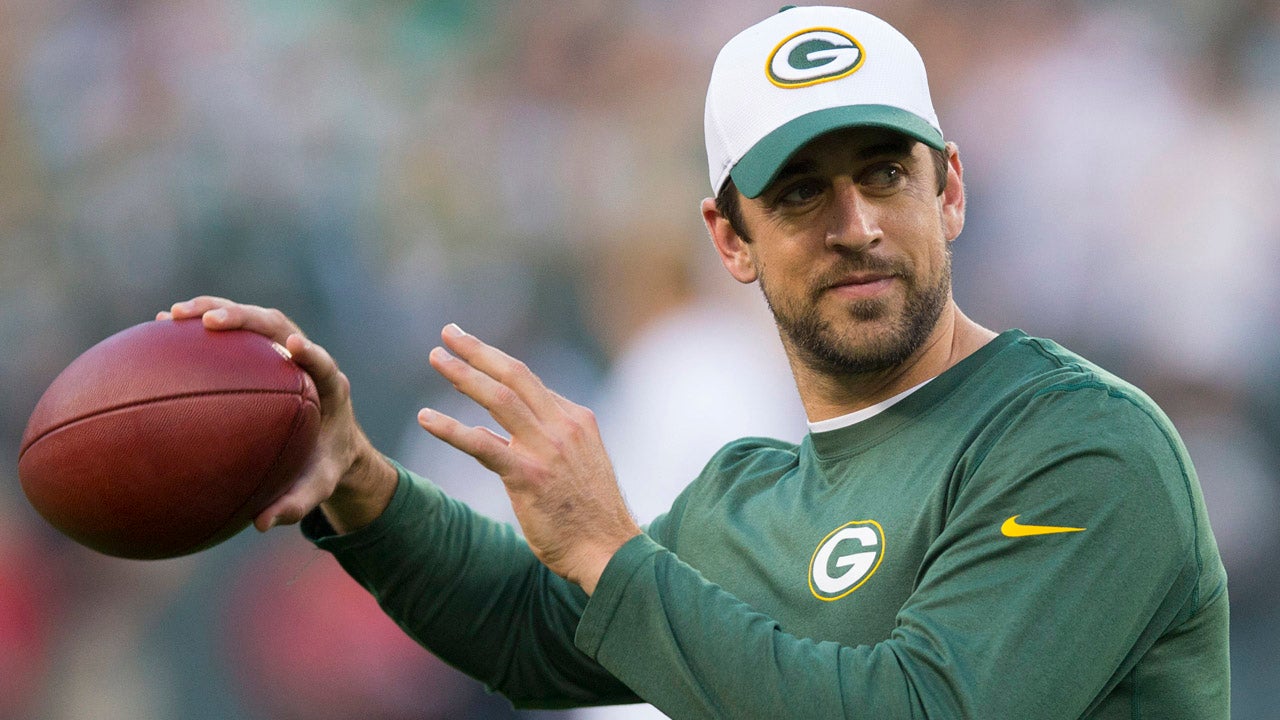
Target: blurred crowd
pixel 532 171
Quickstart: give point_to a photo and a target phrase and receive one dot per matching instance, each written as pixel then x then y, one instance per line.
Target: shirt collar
pixel 865 413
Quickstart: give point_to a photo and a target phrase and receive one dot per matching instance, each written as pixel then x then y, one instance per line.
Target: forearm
pixel 469 589
pixel 695 651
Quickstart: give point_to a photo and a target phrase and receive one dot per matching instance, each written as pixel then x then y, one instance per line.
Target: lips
pixel 862 278
pixel 864 289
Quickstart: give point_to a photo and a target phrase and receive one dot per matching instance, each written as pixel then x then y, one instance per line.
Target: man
pixel 977 525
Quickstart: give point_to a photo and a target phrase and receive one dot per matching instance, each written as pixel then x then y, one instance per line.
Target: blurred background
pixel 532 171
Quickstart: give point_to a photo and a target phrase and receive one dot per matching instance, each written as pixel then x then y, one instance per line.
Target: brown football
pixel 167 438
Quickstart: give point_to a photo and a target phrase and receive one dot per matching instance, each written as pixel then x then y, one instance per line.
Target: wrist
pixel 593 567
pixel 362 493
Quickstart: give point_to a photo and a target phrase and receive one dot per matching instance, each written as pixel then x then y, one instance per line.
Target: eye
pixel 800 193
pixel 884 176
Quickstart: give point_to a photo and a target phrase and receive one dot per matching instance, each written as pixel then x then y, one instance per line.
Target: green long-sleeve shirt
pixel 1024 536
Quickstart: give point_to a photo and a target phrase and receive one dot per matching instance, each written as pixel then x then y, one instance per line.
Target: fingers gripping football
pixel 345 472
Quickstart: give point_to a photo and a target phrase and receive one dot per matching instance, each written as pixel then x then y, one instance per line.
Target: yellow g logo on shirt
pixel 845 559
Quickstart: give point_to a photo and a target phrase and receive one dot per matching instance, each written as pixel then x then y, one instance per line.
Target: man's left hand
pixel 554 465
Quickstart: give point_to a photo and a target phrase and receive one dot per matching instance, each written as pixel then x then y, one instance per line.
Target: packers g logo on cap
pixel 814 56
pixel 845 559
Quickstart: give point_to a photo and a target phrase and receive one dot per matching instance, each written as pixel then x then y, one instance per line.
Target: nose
pixel 852 224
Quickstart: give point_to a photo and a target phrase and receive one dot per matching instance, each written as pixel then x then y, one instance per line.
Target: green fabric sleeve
pixel 470 590
pixel 706 654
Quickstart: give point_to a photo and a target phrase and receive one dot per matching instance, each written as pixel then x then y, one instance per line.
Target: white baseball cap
pixel 803 72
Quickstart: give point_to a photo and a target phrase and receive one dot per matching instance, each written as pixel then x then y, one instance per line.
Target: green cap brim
pixel 761 164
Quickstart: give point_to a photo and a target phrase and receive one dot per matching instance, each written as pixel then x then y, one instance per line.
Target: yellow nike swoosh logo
pixel 1012 528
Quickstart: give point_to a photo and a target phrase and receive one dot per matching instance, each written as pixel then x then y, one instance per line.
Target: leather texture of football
pixel 167 438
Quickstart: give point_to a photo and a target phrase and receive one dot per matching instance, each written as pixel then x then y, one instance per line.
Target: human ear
pixel 953 194
pixel 734 251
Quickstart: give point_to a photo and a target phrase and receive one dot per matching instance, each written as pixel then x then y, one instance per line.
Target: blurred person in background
pixel 30 576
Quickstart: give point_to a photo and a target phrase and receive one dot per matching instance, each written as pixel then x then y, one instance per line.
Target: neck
pixel 826 394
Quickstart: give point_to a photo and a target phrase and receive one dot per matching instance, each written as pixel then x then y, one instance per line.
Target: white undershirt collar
pixel 865 413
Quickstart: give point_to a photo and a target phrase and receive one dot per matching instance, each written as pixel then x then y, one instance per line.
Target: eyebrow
pixel 896 147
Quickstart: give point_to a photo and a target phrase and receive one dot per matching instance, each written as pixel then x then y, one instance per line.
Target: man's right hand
pixel 345 476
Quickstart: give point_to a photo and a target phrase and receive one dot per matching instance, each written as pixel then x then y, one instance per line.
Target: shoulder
pixel 1033 395
pixel 1072 430
pixel 1067 395
pixel 744 463
pixel 1071 440
pixel 753 451
pixel 742 467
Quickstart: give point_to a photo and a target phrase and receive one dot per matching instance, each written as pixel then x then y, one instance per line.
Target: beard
pixel 846 345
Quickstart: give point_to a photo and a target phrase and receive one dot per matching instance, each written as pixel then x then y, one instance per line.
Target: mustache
pixel 862 264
